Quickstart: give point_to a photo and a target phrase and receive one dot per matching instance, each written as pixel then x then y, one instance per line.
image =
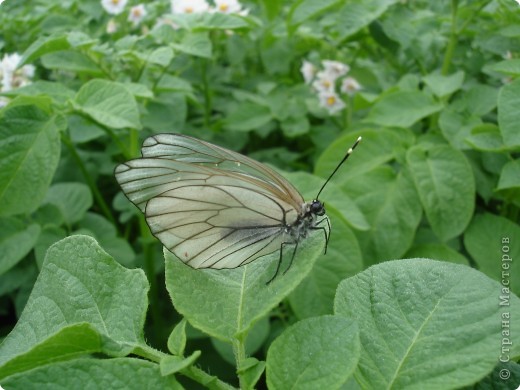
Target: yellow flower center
pixel 115 2
pixel 136 12
pixel 188 10
pixel 223 7
pixel 331 100
pixel 326 83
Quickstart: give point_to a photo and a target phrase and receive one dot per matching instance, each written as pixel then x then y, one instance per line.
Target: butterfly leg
pixel 292 258
pixel 324 229
pixel 279 262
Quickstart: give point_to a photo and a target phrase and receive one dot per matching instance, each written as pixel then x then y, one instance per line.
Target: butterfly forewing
pixel 194 151
pixel 211 207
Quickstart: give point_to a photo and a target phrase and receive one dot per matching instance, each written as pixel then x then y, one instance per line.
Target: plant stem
pixel 149 269
pixel 239 350
pixel 452 43
pixel 90 181
pixel 192 372
pixel 207 94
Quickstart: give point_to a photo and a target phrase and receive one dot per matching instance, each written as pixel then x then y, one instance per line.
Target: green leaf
pixel 250 372
pixel 44 45
pixel 425 324
pixel 72 199
pixel 209 21
pixel 388 111
pixel 172 364
pixel 307 9
pixel 486 137
pixel 196 43
pixel 29 155
pixel 456 127
pixel 510 176
pixel 376 148
pixel 226 303
pixel 294 127
pixel 16 241
pixel 161 56
pixel 481 99
pixel 109 103
pixel 315 294
pixel 49 235
pixel 72 61
pixel 248 116
pixel 83 129
pixel 88 373
pixel 106 234
pixel 356 15
pixel 446 186
pixel 79 283
pixel 58 92
pixel 509 67
pixel 316 353
pixel 444 85
pixel 272 7
pixel 139 90
pixel 68 342
pixel 508 113
pixel 177 339
pixel 167 113
pixel 491 242
pixel 382 195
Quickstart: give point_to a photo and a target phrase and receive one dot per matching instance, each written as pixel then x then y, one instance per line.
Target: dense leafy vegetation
pixel 89 298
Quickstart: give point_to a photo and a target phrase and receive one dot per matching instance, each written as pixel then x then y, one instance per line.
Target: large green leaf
pixel 388 111
pixel 316 353
pixel 79 285
pixel 392 207
pixel 491 241
pixel 225 303
pixel 87 373
pixel 16 240
pixel 508 113
pixel 72 199
pixel 29 155
pixel 426 324
pixel 109 103
pixel 446 186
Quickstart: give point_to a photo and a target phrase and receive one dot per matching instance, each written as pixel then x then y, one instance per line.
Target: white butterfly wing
pixel 211 207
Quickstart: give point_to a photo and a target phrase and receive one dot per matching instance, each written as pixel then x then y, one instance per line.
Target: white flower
pixel 335 69
pixel 350 86
pixel 114 7
pixel 137 14
pixel 518 1
pixel 331 101
pixel 189 6
pixel 13 77
pixel 111 26
pixel 308 71
pixel 228 6
pixel 324 82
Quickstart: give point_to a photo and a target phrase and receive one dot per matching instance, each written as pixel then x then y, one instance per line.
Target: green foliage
pixel 437 176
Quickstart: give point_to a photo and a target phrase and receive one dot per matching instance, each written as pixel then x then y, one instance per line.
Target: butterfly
pixel 215 208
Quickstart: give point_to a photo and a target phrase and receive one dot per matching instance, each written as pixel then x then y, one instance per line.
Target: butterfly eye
pixel 317 208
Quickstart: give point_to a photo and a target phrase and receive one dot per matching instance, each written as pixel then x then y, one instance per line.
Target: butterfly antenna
pixel 349 152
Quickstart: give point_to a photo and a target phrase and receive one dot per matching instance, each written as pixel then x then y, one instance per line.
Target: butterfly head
pixel 317 208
